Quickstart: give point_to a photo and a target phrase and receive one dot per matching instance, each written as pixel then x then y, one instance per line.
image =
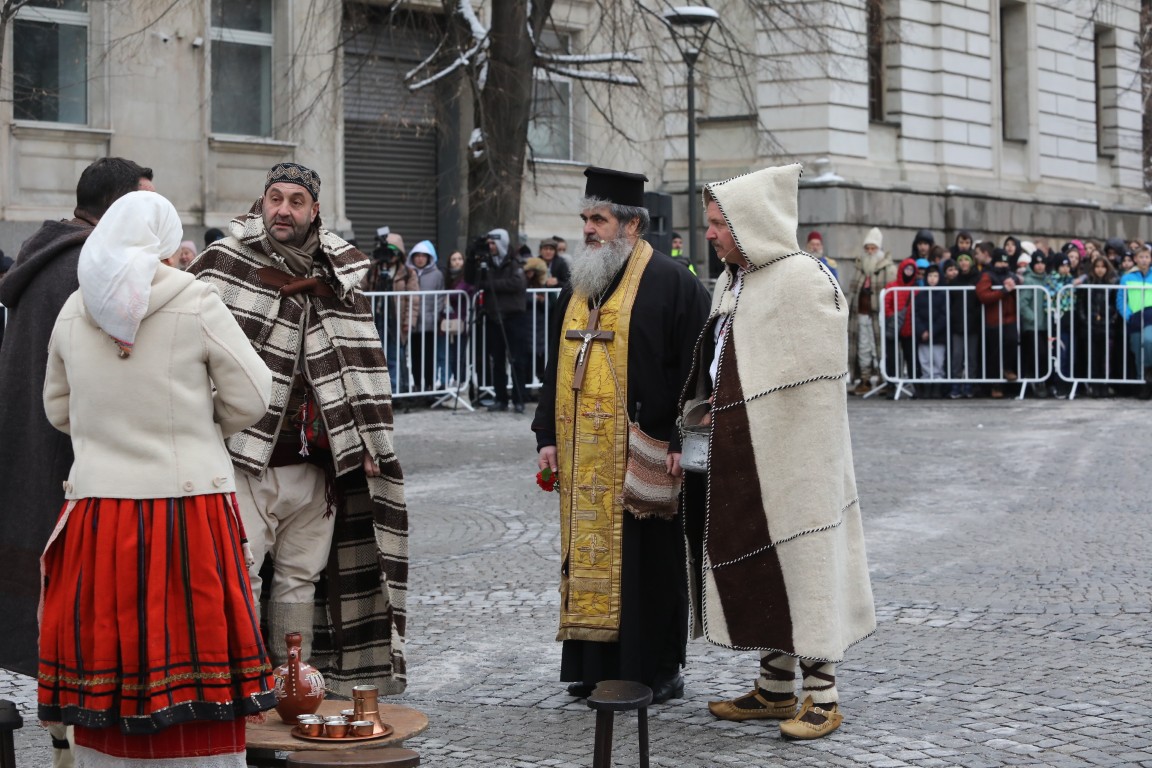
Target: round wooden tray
pixel 344 740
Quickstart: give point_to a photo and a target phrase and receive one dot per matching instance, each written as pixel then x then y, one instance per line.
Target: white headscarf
pixel 120 258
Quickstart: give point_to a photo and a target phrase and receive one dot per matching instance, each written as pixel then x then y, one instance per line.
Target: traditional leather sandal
pixel 812 721
pixel 753 706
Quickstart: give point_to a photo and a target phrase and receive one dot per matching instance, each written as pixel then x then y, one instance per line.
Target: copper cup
pixel 336 729
pixel 349 713
pixel 362 727
pixel 310 725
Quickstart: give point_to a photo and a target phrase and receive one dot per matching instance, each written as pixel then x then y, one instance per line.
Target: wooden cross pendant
pixel 588 335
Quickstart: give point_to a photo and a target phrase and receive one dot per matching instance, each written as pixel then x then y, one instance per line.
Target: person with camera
pixel 500 276
pixel 389 273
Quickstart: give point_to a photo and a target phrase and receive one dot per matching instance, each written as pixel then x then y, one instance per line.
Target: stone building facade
pixel 997 116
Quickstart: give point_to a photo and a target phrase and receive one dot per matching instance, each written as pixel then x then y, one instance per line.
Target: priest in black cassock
pixel 624 334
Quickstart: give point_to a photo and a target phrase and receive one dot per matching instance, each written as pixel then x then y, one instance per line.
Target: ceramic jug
pixel 299 685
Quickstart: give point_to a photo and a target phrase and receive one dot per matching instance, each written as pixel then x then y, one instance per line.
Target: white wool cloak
pixel 784 566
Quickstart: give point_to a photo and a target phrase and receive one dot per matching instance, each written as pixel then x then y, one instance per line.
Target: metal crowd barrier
pixel 1095 345
pixel 969 343
pixel 445 350
pixel 425 335
pixel 538 320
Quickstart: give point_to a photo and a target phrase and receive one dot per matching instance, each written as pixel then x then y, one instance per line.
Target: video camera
pixel 478 258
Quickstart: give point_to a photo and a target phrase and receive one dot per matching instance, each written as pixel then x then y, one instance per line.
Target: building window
pixel 877 82
pixel 50 61
pixel 1107 92
pixel 550 127
pixel 242 67
pixel 1014 71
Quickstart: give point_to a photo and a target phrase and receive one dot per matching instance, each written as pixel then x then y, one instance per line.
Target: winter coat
pixel 930 310
pixel 781 499
pixel 504 283
pixel 34 456
pixel 193 379
pixel 426 309
pixel 1033 304
pixel 898 304
pixel 1135 300
pixel 962 305
pixel 999 303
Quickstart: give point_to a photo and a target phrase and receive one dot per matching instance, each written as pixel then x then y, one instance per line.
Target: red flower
pixel 546 479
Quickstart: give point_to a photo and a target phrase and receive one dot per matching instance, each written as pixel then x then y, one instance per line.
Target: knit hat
pixel 1077 244
pixel 963 257
pixel 874 237
pixel 814 235
pixel 294 173
pixel 550 243
pixel 396 240
pixel 1060 261
pixel 1028 246
pixel 922 264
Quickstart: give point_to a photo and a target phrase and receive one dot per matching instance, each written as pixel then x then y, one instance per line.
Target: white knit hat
pixel 874 238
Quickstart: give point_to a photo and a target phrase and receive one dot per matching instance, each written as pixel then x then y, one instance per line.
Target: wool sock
pixel 777 681
pixel 819 682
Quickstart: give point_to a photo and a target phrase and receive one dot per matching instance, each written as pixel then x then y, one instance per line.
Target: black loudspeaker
pixel 659 207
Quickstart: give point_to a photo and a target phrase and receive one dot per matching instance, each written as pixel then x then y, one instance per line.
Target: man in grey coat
pixel 35 456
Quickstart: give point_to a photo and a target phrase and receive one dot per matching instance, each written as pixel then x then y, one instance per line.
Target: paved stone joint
pixel 1009 559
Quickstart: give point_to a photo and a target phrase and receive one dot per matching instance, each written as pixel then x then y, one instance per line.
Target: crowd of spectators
pixel 1026 311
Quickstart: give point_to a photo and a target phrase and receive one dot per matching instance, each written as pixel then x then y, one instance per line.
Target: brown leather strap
pixel 290 285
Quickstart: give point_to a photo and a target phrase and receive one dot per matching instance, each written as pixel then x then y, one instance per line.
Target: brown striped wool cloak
pixel 361 617
pixel 783 561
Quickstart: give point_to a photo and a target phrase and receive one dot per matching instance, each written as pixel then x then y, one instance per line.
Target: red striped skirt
pixel 147 618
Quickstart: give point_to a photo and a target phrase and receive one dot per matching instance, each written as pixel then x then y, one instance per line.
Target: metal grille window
pixel 50 61
pixel 550 128
pixel 242 67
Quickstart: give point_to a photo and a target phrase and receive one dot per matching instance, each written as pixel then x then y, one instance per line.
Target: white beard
pixel 594 267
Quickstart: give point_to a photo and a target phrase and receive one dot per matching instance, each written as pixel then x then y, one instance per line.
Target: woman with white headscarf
pixel 149 643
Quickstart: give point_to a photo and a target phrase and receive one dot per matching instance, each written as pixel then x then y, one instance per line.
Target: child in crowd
pixel 1035 304
pixel 930 325
pixel 1062 322
pixel 963 324
pixel 996 290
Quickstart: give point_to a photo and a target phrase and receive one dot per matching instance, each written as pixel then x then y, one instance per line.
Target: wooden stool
pixel 384 757
pixel 610 697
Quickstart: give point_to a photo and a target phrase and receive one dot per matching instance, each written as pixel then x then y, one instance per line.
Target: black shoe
pixel 497 407
pixel 581 690
pixel 519 407
pixel 672 688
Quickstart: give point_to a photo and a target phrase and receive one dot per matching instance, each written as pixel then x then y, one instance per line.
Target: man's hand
pixel 1009 284
pixel 551 282
pixel 672 464
pixel 547 459
pixel 370 467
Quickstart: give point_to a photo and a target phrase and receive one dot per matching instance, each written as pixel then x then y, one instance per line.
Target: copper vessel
pixel 299 685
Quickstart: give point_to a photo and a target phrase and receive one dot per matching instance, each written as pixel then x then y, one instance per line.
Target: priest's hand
pixel 370 467
pixel 672 464
pixel 547 458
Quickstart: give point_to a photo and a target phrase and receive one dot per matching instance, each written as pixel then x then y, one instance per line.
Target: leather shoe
pixel 812 721
pixel 581 690
pixel 497 407
pixel 753 706
pixel 672 688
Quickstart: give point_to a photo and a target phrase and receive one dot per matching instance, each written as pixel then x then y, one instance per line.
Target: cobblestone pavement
pixel 1009 551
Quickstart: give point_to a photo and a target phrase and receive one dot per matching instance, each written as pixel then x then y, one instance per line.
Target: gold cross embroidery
pixel 594 548
pixel 594 489
pixel 598 415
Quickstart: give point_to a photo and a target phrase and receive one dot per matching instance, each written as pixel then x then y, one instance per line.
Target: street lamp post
pixel 690 26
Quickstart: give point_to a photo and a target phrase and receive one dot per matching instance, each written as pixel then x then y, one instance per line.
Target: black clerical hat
pixel 615 186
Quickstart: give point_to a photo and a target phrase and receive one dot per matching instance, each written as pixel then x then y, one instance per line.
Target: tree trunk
pixel 502 113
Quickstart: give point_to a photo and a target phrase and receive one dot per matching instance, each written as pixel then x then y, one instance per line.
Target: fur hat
pixel 874 237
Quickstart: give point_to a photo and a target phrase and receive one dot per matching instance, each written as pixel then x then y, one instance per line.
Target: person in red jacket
pixel 898 313
pixel 996 290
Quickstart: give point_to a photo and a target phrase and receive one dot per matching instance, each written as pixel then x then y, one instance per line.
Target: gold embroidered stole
pixel 592 446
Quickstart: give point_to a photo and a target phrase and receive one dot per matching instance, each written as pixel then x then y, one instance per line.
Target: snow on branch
pixel 589 58
pixel 603 77
pixel 462 61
